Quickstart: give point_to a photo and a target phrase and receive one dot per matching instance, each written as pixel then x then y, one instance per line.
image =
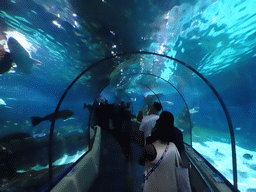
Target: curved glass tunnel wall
pixel 24 152
pixel 116 72
pixel 25 148
pixel 142 97
pixel 73 133
pixel 211 128
pixel 83 100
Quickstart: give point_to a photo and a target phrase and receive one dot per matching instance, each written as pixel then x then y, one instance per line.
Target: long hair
pixel 165 128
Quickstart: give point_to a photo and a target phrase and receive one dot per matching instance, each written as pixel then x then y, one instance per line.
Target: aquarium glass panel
pixel 187 96
pixel 143 78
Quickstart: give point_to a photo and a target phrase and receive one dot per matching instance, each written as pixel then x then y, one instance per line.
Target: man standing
pixel 148 122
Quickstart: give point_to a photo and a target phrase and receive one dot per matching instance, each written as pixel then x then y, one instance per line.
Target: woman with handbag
pixel 161 157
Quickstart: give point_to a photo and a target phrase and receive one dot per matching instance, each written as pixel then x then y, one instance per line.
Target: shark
pixel 21 56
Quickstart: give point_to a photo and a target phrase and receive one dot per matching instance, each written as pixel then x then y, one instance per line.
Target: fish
pixel 70 118
pixel 89 106
pixel 38 135
pixel 21 56
pixel 13 99
pixel 8 107
pixel 194 110
pixel 64 114
pixel 243 174
pixel 217 153
pixel 250 165
pixel 168 102
pixel 2 102
pixel 247 156
pixel 204 145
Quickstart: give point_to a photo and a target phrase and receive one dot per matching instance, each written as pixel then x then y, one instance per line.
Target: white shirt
pixel 147 124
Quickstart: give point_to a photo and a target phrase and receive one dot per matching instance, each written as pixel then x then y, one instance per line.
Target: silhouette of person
pixel 148 122
pixel 163 139
pixel 176 135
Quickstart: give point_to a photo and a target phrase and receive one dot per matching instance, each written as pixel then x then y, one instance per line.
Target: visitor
pixel 148 122
pixel 163 177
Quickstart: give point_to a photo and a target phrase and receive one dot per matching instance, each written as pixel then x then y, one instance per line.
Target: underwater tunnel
pixel 60 59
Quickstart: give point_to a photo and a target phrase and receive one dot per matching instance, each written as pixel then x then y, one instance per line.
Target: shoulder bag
pixel 182 175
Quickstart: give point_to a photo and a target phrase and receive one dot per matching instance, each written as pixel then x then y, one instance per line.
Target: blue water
pixel 217 38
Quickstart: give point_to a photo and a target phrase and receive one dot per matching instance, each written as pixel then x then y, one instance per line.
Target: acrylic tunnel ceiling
pixel 216 38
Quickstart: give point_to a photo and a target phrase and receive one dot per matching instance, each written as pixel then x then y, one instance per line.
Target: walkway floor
pixel 115 172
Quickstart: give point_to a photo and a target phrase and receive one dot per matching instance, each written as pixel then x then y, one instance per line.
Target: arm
pixel 140 116
pixel 148 154
pixel 141 133
pixel 141 138
pixel 153 137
